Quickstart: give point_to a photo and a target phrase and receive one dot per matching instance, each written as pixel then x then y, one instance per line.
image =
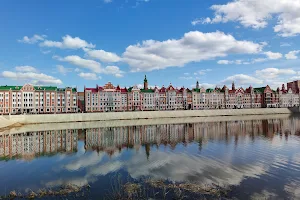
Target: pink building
pixel 37 99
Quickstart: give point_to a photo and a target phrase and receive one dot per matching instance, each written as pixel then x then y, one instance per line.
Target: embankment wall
pixel 86 117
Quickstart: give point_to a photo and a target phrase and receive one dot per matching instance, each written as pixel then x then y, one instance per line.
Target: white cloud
pixel 35 78
pixel 227 62
pixel 114 70
pixel 34 39
pixel 257 60
pixel 186 77
pixel 256 13
pixel 204 71
pixel 107 1
pixel 77 70
pixel 103 55
pixel 224 62
pixel 272 55
pixel 292 55
pixel 61 69
pixel 271 73
pixel 89 76
pixel 84 63
pixel 192 47
pixel 25 69
pixel 285 44
pixel 186 74
pixel 242 79
pixel 46 52
pixel 68 43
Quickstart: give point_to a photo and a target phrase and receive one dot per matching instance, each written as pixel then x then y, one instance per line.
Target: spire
pixel 197 85
pixel 145 83
pixel 233 86
pixel 283 88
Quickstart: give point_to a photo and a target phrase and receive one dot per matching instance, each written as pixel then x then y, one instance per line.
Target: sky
pixel 84 43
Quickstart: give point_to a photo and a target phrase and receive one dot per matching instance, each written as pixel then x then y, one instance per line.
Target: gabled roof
pixel 163 89
pixel 181 89
pixel 124 90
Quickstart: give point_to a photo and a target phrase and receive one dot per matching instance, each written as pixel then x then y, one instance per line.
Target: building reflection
pixel 111 140
pixel 35 144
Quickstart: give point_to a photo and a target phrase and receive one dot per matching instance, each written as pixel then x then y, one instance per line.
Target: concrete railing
pixel 85 117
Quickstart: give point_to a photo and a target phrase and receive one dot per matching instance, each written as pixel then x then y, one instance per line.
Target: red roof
pixel 248 90
pixel 92 89
pixel 163 89
pixel 100 88
pixel 181 89
pixel 124 90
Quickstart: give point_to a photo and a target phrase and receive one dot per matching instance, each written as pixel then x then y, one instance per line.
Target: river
pixel 256 158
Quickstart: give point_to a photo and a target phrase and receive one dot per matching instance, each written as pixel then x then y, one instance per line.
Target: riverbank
pixel 9 120
pixel 139 122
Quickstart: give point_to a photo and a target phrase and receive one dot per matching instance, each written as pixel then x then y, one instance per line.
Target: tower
pixel 233 86
pixel 197 85
pixel 283 88
pixel 145 83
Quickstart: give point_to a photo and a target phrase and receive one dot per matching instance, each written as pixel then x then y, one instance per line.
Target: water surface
pixel 257 158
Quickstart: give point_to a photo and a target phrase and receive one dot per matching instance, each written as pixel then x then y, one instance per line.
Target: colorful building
pixel 37 99
pixel 171 98
pixel 288 98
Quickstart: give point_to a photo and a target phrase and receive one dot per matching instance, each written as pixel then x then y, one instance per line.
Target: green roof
pixel 147 91
pixel 209 90
pixel 196 89
pixel 6 87
pixel 45 87
pixel 261 89
pixel 64 89
pixel 129 89
pixel 48 88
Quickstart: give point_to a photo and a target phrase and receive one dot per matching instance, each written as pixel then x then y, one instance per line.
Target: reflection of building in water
pixel 114 139
pixel 32 144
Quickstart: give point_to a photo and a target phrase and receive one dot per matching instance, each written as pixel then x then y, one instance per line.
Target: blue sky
pixel 181 41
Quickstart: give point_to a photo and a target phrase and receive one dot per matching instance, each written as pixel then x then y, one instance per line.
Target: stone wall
pixel 85 117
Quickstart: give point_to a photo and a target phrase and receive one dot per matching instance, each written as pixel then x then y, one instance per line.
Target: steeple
pixel 283 88
pixel 233 86
pixel 145 83
pixel 197 85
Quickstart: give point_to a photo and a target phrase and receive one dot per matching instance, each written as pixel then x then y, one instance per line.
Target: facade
pixel 105 99
pixel 37 99
pixel 170 98
pixel 288 98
